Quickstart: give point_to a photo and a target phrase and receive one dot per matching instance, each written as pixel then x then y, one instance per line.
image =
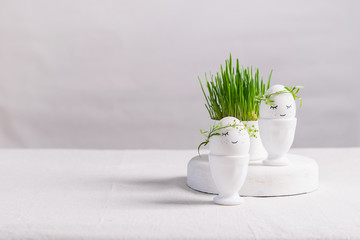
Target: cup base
pixel 276 162
pixel 229 200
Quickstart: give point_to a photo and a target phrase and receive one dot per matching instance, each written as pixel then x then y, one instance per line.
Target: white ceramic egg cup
pixel 277 137
pixel 228 160
pixel 229 174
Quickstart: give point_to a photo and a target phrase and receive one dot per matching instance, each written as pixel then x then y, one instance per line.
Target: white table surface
pixel 88 194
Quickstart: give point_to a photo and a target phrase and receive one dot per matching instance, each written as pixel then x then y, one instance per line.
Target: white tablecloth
pixel 85 194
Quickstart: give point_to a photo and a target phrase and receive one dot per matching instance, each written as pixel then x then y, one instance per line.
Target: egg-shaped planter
pixel 282 107
pixel 229 159
pixel 277 136
pixel 257 150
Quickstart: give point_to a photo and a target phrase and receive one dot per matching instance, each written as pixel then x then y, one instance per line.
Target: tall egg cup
pixel 229 174
pixel 277 137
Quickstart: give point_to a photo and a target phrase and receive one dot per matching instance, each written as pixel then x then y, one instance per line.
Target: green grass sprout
pixel 234 91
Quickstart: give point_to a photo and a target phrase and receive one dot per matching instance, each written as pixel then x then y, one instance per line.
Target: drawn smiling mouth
pixel 234 142
pixel 283 115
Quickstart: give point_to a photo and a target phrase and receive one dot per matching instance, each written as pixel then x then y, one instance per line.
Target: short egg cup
pixel 229 174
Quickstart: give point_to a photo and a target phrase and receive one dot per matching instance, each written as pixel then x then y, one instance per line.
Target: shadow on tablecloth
pixel 166 191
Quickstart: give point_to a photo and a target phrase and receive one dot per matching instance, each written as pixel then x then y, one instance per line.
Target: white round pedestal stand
pixel 300 176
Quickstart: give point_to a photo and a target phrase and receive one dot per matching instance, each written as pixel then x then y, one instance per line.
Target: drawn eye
pixel 225 134
pixel 273 107
pixel 288 106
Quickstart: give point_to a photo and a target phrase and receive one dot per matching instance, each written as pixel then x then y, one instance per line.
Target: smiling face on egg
pixel 284 105
pixel 231 141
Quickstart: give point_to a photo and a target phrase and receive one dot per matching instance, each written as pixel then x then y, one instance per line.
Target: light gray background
pixel 123 74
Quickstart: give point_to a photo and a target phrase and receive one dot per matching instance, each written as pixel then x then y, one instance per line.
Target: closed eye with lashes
pixel 274 107
pixel 225 134
pixel 288 106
